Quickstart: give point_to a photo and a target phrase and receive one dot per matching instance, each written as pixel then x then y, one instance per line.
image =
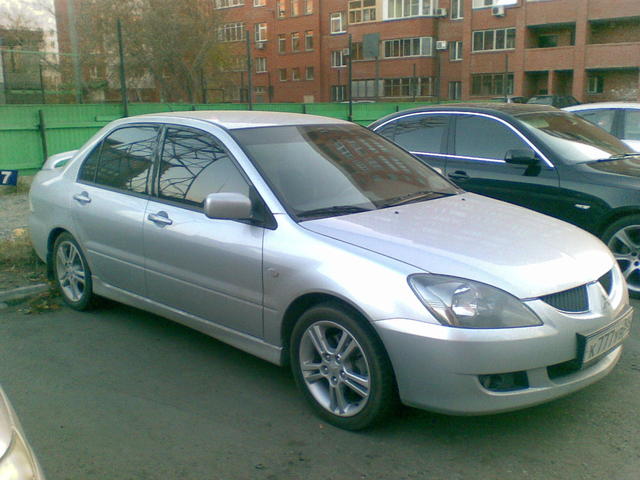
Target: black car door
pixel 478 148
pixel 422 134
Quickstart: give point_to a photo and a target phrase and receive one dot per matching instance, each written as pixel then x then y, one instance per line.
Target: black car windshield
pixel 575 140
pixel 328 170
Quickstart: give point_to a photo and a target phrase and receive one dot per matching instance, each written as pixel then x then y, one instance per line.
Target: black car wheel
pixel 341 367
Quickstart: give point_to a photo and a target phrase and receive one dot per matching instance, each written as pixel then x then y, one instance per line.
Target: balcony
pixel 558 11
pixel 617 9
pixel 612 55
pixel 542 59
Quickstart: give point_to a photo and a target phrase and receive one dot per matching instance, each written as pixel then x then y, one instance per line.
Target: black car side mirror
pixel 521 156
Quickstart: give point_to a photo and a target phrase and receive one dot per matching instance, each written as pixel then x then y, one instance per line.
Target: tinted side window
pixel 388 131
pixel 195 164
pixel 125 161
pixel 90 166
pixel 631 125
pixel 600 117
pixel 421 133
pixel 484 138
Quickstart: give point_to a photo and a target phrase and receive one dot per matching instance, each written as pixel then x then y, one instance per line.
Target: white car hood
pixel 520 251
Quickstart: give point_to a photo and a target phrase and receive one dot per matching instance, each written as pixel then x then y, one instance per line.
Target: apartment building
pixel 436 49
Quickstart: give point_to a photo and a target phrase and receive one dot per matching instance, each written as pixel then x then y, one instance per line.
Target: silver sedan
pixel 313 242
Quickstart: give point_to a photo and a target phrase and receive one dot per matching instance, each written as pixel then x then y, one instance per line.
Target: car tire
pixel 623 239
pixel 341 367
pixel 71 273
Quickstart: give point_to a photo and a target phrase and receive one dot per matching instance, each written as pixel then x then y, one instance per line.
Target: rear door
pixel 109 201
pixel 479 146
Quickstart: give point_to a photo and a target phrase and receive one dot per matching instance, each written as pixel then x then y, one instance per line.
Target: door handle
pixel 161 218
pixel 458 175
pixel 82 198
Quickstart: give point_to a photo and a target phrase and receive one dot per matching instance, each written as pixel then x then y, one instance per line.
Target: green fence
pixel 30 133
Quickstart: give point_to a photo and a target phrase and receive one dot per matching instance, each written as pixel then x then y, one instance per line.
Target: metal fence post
pixel 42 127
pixel 123 76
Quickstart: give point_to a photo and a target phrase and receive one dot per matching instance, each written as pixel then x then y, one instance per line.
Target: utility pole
pixel 505 80
pixel 249 72
pixel 123 76
pixel 75 52
pixel 350 118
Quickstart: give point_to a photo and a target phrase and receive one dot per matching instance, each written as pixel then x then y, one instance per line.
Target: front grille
pixel 573 300
pixel 606 281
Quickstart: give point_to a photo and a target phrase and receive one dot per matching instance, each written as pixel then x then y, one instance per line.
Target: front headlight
pixel 17 463
pixel 458 302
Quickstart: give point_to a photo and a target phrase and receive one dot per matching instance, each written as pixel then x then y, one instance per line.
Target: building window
pixel 229 3
pixel 455 90
pixel 308 40
pixel 498 39
pixel 295 8
pixel 260 30
pixel 295 42
pixel 362 11
pixel 456 9
pixel 231 32
pixel 338 93
pixel 282 43
pixel 493 3
pixel 295 74
pixel 409 8
pixel 487 84
pixel 364 88
pixel 282 74
pixel 261 64
pixel 455 51
pixel 282 8
pixel 259 3
pixel 356 51
pixel 308 7
pixel 309 73
pixel 338 58
pixel 595 84
pixel 408 87
pixel 337 22
pixel 408 47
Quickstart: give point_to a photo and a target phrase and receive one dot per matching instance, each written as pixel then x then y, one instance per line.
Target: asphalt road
pixel 122 394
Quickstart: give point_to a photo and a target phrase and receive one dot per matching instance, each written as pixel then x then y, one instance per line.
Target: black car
pixel 537 157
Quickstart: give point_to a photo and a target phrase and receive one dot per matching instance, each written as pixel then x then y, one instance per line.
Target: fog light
pixel 505 382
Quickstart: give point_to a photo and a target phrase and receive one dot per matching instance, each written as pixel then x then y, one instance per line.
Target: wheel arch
pixel 614 216
pixel 51 240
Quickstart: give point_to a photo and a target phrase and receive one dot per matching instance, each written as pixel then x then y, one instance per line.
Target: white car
pixel 621 119
pixel 317 243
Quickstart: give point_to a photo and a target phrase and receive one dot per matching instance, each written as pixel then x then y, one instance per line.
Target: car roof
pixel 593 106
pixel 235 119
pixel 501 109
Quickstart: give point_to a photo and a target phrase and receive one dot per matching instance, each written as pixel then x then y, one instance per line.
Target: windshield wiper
pixel 415 197
pixel 334 210
pixel 620 156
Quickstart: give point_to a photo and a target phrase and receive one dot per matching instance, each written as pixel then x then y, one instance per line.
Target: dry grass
pixel 16 251
pixel 24 183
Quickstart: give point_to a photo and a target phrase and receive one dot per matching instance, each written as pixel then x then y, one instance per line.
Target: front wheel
pixel 341 368
pixel 71 273
pixel 623 239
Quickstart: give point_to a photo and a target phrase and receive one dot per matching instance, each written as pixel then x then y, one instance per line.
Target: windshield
pixel 327 170
pixel 574 139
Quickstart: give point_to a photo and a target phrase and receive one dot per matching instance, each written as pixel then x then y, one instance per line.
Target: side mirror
pixel 228 206
pixel 521 156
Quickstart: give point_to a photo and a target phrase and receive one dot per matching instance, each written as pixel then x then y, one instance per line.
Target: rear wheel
pixel 623 239
pixel 71 273
pixel 342 368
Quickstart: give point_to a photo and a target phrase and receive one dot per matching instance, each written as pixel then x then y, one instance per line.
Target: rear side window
pixel 421 133
pixel 193 165
pixel 600 117
pixel 481 137
pixel 122 160
pixel 631 125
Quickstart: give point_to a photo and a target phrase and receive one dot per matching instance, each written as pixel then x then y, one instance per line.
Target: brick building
pixel 587 48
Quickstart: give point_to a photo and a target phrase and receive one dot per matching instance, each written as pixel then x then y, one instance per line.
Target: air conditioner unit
pixel 497 11
pixel 441 45
pixel 260 45
pixel 345 52
pixel 440 12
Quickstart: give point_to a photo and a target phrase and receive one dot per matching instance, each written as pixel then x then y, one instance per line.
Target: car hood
pixel 469 236
pixel 629 167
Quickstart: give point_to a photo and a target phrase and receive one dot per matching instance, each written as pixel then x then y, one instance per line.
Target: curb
pixel 23 292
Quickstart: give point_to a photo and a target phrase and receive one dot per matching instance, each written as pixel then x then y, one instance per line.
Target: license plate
pixel 591 347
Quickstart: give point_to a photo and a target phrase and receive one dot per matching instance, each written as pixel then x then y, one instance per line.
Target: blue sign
pixel 8 177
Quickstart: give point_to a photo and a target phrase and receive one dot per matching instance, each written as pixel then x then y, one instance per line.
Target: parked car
pixel 558 101
pixel 537 157
pixel 511 99
pixel 315 242
pixel 17 460
pixel 621 119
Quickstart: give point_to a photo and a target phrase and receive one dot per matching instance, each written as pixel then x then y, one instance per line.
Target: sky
pixel 38 12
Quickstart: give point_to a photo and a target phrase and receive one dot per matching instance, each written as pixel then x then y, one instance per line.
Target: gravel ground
pixel 14 213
